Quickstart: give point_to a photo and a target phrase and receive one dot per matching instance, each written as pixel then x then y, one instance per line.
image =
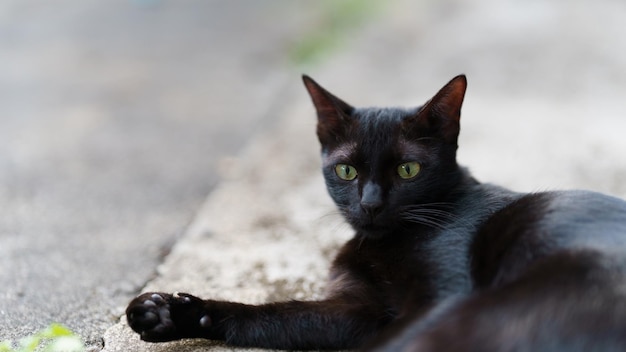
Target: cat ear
pixel 441 114
pixel 333 114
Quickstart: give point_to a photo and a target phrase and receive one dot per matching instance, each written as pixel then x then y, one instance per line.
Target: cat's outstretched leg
pixel 331 324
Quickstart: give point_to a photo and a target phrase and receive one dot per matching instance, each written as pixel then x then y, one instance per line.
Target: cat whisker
pixel 335 220
pixel 334 214
pixel 431 214
pixel 432 222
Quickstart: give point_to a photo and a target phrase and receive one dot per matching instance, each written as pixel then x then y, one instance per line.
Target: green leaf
pixel 55 338
pixel 55 330
pixel 66 344
pixel 5 346
pixel 29 343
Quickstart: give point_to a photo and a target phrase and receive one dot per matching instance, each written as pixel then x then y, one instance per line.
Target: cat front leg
pixel 330 324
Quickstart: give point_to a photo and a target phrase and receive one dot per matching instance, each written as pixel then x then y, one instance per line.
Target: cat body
pixel 439 261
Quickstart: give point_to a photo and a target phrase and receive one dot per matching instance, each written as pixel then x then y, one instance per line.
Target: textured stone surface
pixel 114 117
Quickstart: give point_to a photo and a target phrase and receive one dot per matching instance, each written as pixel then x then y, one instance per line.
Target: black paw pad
pixel 205 321
pixel 151 314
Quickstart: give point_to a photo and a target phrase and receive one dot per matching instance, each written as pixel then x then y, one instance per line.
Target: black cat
pixel 439 261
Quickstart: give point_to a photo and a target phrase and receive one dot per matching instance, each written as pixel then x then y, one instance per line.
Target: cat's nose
pixel 372 199
pixel 371 209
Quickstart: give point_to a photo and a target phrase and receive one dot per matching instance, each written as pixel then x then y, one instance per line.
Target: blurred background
pixel 116 115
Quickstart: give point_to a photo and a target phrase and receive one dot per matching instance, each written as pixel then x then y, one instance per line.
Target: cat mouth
pixel 373 230
pixel 371 227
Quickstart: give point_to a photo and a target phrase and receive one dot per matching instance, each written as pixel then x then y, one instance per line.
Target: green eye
pixel 346 172
pixel 408 170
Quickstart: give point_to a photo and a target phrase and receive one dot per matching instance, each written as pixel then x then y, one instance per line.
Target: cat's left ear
pixel 440 116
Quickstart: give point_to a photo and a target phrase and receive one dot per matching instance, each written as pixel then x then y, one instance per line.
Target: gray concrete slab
pixel 114 117
pixel 544 110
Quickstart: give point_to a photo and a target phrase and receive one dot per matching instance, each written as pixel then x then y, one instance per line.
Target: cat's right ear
pixel 333 114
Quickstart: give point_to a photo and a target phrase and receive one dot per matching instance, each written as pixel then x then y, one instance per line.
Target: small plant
pixel 54 338
pixel 336 21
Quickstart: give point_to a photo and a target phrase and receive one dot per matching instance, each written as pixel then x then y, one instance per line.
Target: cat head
pixel 389 168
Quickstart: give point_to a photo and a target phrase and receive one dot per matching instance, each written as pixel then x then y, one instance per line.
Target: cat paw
pixel 159 317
